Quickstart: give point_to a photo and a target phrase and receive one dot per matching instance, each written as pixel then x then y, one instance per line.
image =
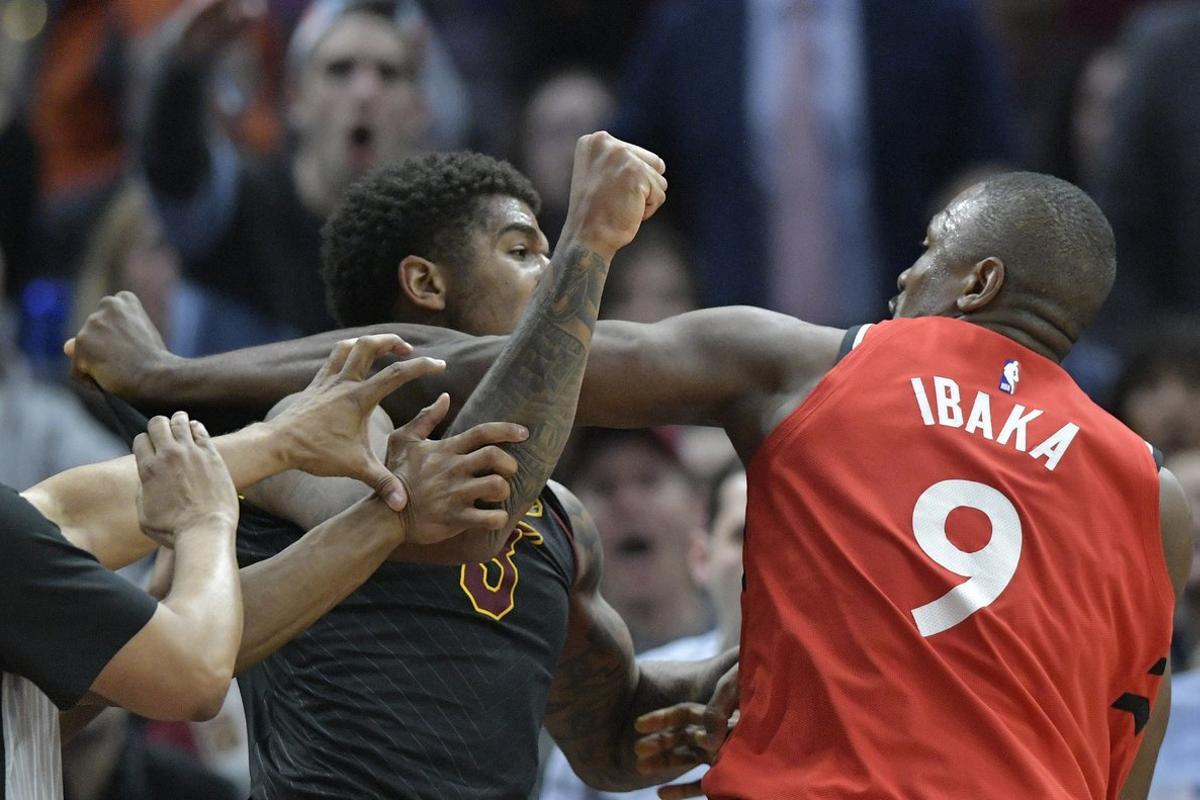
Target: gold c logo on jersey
pixel 492 585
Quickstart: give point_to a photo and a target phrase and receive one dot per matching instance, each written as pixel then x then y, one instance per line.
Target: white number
pixel 988 569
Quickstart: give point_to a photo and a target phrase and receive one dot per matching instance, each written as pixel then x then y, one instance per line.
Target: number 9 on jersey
pixel 987 570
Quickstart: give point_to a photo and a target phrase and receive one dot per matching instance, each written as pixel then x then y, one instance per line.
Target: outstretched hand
pixel 680 737
pixel 326 426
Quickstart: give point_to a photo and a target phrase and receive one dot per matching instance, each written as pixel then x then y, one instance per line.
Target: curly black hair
pixel 425 205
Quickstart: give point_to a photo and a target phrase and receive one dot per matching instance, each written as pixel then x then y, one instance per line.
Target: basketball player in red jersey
pixel 955 574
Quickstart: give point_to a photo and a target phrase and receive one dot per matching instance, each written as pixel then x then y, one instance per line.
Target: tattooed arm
pixel 599 688
pixel 536 379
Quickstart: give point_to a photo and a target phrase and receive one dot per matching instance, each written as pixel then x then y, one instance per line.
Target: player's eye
pixel 521 252
pixel 339 68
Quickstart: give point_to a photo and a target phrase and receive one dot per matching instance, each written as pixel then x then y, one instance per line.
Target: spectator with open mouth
pixel 250 230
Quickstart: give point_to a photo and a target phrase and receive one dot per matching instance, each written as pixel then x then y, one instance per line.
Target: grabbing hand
pixel 615 186
pixel 448 480
pixel 682 736
pixel 184 481
pixel 118 347
pixel 326 426
pixel 205 27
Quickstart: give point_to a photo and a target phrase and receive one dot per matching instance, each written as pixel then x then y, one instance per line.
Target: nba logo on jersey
pixel 1010 375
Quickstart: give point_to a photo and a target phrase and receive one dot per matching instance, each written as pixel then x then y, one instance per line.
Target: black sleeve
pixel 65 615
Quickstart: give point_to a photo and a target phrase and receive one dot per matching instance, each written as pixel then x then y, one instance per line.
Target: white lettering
pixel 1016 423
pixel 1054 447
pixel 947 395
pixel 948 409
pixel 922 401
pixel 981 416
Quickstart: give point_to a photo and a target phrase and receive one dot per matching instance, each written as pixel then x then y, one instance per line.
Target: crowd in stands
pixel 190 150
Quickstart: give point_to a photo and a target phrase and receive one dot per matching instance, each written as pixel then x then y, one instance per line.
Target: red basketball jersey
pixel 955 583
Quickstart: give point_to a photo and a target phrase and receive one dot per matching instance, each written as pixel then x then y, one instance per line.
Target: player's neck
pixel 1028 331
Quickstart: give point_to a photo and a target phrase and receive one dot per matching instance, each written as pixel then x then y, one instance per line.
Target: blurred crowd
pixel 189 150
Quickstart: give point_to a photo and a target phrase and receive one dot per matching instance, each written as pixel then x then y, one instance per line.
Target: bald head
pixel 1057 247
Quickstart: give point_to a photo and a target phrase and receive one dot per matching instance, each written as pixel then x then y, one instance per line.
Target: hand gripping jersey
pixel 955 584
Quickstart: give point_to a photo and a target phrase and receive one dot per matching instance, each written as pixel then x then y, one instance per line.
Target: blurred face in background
pixel 1092 117
pixel 1164 411
pixel 559 112
pixel 649 518
pixel 649 281
pixel 358 102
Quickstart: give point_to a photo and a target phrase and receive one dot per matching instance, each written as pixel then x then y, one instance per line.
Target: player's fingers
pixel 670 763
pixel 721 708
pixel 423 424
pixel 181 428
pixel 654 743
pixel 656 195
pixel 142 450
pixel 200 433
pixel 389 488
pixel 158 429
pixel 653 159
pixel 395 375
pixel 367 349
pixel 69 348
pixel 487 519
pixel 679 791
pixel 678 716
pixel 490 460
pixel 335 360
pixel 489 489
pixel 487 433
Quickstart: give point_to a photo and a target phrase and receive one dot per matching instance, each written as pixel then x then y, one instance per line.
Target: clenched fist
pixel 615 186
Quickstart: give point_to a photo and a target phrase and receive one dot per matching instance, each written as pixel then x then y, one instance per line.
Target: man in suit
pixel 820 121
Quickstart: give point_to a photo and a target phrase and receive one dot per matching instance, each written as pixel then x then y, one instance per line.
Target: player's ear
pixel 422 283
pixel 986 278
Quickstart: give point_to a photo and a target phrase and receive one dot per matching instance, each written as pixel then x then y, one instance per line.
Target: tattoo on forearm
pixel 536 379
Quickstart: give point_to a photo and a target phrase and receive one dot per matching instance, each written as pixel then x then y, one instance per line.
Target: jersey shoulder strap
pixel 853 339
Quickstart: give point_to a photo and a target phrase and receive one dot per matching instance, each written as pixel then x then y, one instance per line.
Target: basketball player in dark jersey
pixel 432 679
pixel 1015 266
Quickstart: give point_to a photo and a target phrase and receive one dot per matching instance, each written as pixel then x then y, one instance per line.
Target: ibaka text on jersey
pixel 946 408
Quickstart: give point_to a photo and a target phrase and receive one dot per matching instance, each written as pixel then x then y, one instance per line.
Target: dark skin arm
pixel 600 689
pixel 741 368
pixel 1176 522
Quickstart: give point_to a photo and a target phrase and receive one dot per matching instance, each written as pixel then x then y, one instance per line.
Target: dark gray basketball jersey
pixel 427 682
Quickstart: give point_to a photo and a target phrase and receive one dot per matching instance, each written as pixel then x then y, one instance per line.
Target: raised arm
pixel 599 689
pixel 192 171
pixel 536 378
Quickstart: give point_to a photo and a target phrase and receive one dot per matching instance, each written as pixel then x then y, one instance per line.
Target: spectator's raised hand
pixel 184 481
pixel 202 28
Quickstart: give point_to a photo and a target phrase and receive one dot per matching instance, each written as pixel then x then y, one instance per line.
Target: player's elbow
pixel 207 686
